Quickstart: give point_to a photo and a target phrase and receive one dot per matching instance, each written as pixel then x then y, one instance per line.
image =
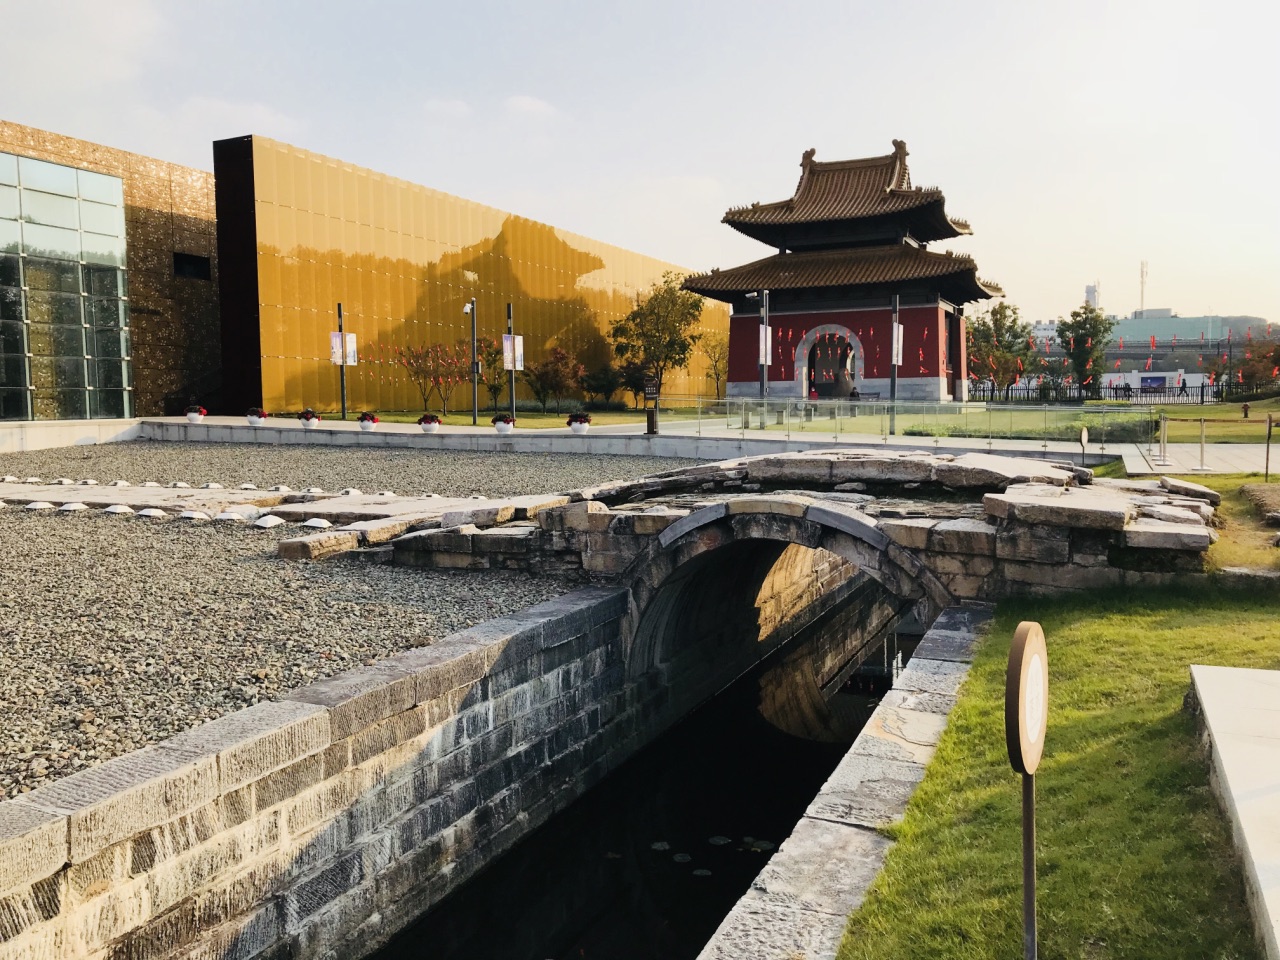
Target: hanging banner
pixel 512 352
pixel 897 345
pixel 339 356
pixel 351 350
pixel 766 343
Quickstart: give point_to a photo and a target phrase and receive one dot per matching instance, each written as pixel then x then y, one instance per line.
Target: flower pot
pixel 504 428
pixel 579 428
pixel 367 425
pixel 195 417
pixel 312 423
pixel 430 427
pixel 256 421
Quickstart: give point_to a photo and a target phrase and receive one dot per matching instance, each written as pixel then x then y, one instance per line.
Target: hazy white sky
pixel 1078 138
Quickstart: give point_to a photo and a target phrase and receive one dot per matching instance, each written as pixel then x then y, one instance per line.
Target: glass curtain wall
pixel 64 314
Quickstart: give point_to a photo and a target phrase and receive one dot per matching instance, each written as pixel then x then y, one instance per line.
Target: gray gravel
pixel 119 632
pixel 456 473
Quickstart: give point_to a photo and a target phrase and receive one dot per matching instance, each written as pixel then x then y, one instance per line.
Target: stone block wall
pixel 168 209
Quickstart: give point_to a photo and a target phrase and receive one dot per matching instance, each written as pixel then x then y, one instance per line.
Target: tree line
pixel 655 338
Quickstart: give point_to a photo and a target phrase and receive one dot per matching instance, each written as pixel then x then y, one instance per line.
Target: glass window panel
pixel 110 403
pixel 50 209
pixel 46 307
pixel 62 405
pixel 51 241
pixel 56 275
pixel 12 339
pixel 8 168
pixel 108 251
pixel 11 304
pixel 8 203
pixel 108 343
pixel 51 177
pixel 102 312
pixel 13 403
pixel 10 236
pixel 10 271
pixel 100 218
pixel 108 374
pixel 100 187
pixel 13 371
pixel 55 340
pixel 103 281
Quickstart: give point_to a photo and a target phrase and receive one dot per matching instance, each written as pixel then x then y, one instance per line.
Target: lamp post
pixel 470 308
pixel 763 297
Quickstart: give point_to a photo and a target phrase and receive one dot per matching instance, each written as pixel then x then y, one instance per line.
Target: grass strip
pixel 1135 859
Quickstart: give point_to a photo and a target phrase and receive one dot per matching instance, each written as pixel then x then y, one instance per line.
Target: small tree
pixel 1084 338
pixel 657 334
pixel 715 347
pixel 493 378
pixel 633 375
pixel 1001 345
pixel 553 376
pixel 434 370
pixel 603 382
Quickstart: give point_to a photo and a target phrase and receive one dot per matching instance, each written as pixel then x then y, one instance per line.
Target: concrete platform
pixel 1240 711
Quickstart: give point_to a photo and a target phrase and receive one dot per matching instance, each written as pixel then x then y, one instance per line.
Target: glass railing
pixel 911 423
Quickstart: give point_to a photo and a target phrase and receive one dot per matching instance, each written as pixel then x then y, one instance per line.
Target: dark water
pixel 647 864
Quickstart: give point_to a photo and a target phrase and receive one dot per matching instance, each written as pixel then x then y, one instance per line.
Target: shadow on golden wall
pixel 561 295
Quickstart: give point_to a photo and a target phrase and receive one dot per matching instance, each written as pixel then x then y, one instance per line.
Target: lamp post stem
pixel 1029 948
pixel 511 387
pixel 475 369
pixel 342 366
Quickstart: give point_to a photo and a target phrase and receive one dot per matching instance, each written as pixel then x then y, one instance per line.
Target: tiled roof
pixel 849 267
pixel 846 190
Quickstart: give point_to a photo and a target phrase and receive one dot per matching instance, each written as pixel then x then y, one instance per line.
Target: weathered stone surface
pixel 33 844
pixel 986 471
pixel 823 867
pixel 1186 488
pixel 779 505
pixel 1092 508
pixel 693 521
pixel 655 521
pixel 932 676
pixel 847 519
pixel 964 535
pixel 762 928
pixel 358 698
pixel 881 469
pixel 318 545
pixel 866 792
pixel 1162 535
pixel 1028 546
pixel 909 532
pixel 124 796
pixel 1170 514
pixel 488 515
pixel 1066 576
pixel 251 743
pixel 813 469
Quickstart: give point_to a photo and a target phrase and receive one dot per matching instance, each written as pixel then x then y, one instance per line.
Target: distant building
pixel 1153 313
pixel 1093 295
pixel 850 242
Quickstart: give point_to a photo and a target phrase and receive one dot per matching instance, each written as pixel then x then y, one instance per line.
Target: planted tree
pixel 658 333
pixel 435 370
pixel 633 375
pixel 1000 346
pixel 715 347
pixel 552 377
pixel 600 383
pixel 1084 338
pixel 493 378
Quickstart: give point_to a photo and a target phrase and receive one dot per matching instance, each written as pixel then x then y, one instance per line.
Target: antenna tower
pixel 1142 289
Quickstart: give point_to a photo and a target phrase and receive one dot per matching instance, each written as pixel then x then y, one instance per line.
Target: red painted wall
pixel 923 349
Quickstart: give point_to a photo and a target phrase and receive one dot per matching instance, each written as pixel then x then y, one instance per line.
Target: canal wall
pixel 325 822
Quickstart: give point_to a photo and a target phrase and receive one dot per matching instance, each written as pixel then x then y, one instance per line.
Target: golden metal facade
pixel 403 260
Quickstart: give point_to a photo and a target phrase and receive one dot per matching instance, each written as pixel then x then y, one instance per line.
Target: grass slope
pixel 1135 859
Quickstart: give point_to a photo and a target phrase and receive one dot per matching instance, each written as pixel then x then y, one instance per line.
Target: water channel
pixel 647 864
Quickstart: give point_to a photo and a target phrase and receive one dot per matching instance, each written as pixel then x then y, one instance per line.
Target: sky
pixel 1079 139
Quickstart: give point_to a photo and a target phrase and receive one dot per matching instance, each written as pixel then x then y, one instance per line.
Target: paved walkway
pixel 1241 715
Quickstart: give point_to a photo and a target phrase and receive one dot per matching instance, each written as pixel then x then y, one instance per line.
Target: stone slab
pixel 124 796
pixel 693 521
pixel 257 740
pixel 359 698
pixel 987 470
pixel 33 844
pixel 909 532
pixel 1240 709
pixel 866 792
pixel 891 469
pixel 761 928
pixel 823 867
pixel 318 545
pixel 895 733
pixel 1183 488
pixel 1162 535
pixel 850 520
pixel 776 505
pixel 1091 508
pixel 965 535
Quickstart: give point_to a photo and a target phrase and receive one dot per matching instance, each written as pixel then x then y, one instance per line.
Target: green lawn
pixel 1184 422
pixel 1135 858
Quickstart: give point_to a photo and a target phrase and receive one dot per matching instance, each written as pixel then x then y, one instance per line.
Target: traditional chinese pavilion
pixel 852 238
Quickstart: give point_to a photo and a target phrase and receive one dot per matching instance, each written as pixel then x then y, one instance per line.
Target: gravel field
pixel 117 632
pixel 454 473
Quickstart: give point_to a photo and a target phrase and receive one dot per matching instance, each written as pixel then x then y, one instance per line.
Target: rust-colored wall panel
pixel 175 327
